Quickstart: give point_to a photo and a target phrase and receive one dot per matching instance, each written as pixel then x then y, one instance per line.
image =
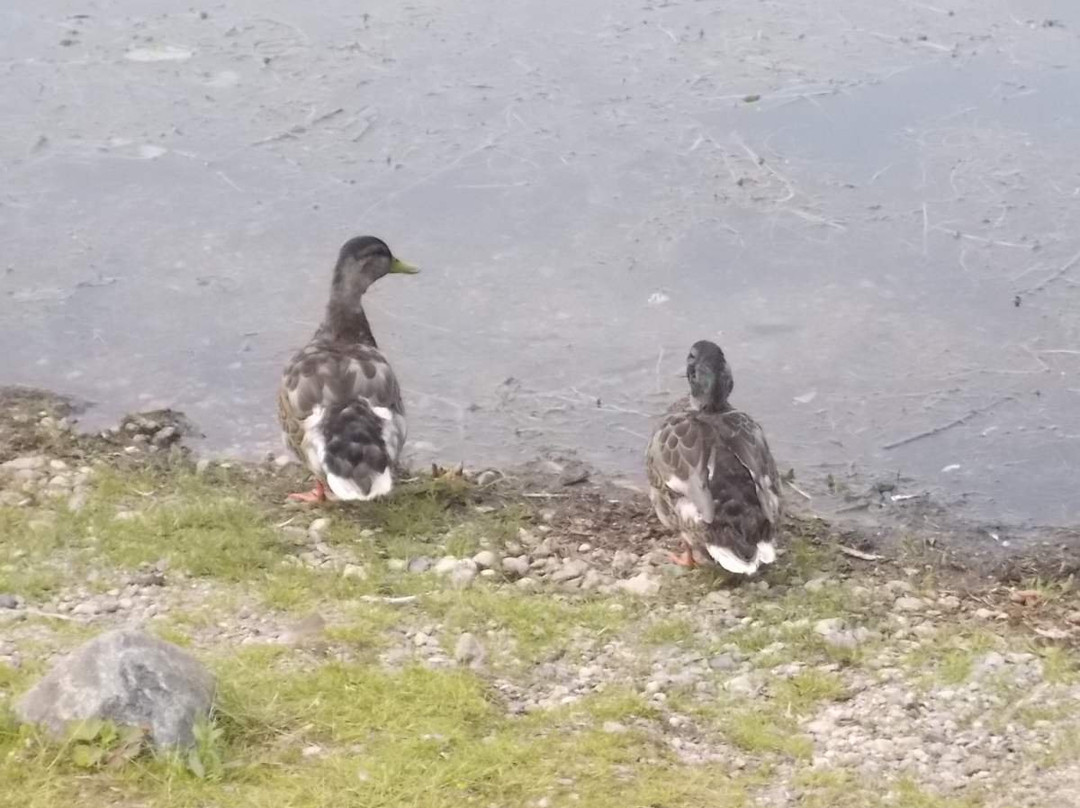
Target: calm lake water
pixel 873 207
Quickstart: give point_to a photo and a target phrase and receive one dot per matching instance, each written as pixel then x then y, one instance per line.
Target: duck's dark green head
pixel 709 375
pixel 362 261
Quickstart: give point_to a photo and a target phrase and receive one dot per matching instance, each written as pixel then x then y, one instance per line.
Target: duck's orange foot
pixel 316 494
pixel 685 559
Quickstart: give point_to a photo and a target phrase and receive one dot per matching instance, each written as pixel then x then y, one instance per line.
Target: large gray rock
pixel 126 677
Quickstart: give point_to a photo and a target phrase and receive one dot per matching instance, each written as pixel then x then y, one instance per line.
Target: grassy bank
pixel 465 644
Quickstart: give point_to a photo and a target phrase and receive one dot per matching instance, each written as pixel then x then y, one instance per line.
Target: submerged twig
pixel 956 422
pixel 294 132
pixel 760 161
pixel 813 217
pixel 228 181
pixel 1064 270
pixel 370 122
pixel 925 229
pixel 859 554
pixel 858 506
pixel 879 172
pixel 981 239
pixel 326 116
pixel 797 490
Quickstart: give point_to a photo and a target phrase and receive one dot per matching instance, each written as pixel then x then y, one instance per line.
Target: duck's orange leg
pixel 685 559
pixel 316 494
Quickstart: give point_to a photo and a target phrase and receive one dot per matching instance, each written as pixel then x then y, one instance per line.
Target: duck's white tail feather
pixel 346 489
pixel 731 562
pixel 352 447
pixel 766 552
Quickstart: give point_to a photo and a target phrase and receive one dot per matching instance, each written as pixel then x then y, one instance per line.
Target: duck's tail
pixel 359 446
pixel 737 554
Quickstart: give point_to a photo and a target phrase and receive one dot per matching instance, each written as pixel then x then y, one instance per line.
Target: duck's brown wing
pixel 677 464
pixel 712 477
pixel 323 373
pixel 745 489
pixel 342 413
pixel 744 438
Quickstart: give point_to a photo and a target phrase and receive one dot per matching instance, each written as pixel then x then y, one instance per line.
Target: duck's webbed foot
pixel 684 559
pixel 316 494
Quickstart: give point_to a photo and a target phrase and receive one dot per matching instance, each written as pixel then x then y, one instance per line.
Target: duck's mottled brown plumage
pixel 711 474
pixel 339 402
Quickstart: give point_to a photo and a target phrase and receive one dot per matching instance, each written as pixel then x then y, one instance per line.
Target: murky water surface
pixel 873 207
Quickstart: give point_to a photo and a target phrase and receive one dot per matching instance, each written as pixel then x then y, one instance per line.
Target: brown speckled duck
pixel 339 404
pixel 711 474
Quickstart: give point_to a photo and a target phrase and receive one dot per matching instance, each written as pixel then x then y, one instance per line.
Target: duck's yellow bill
pixel 399 267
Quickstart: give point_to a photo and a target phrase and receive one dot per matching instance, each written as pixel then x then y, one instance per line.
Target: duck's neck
pixel 346 322
pixel 715 406
pixel 711 394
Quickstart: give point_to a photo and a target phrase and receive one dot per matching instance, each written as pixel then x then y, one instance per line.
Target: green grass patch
pixel 949 658
pixel 295 588
pixel 203 535
pixel 1060 665
pixel 219 525
pixel 832 788
pixel 804 691
pixel 422 510
pixel 764 730
pixel 365 629
pixel 1065 748
pixel 909 794
pixel 669 631
pixel 617 704
pixel 423 518
pixel 955 667
pixel 806 556
pixel 829 788
pixel 15 680
pixel 346 734
pixel 798 603
pixel 172 632
pixel 1032 715
pixel 537 623
pixel 788 617
pixel 28 557
pixel 200 528
pixel 800 644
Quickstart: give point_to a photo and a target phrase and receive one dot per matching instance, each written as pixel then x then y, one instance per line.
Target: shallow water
pixel 851 200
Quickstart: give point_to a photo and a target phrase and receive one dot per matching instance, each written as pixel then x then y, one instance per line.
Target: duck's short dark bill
pixel 399 267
